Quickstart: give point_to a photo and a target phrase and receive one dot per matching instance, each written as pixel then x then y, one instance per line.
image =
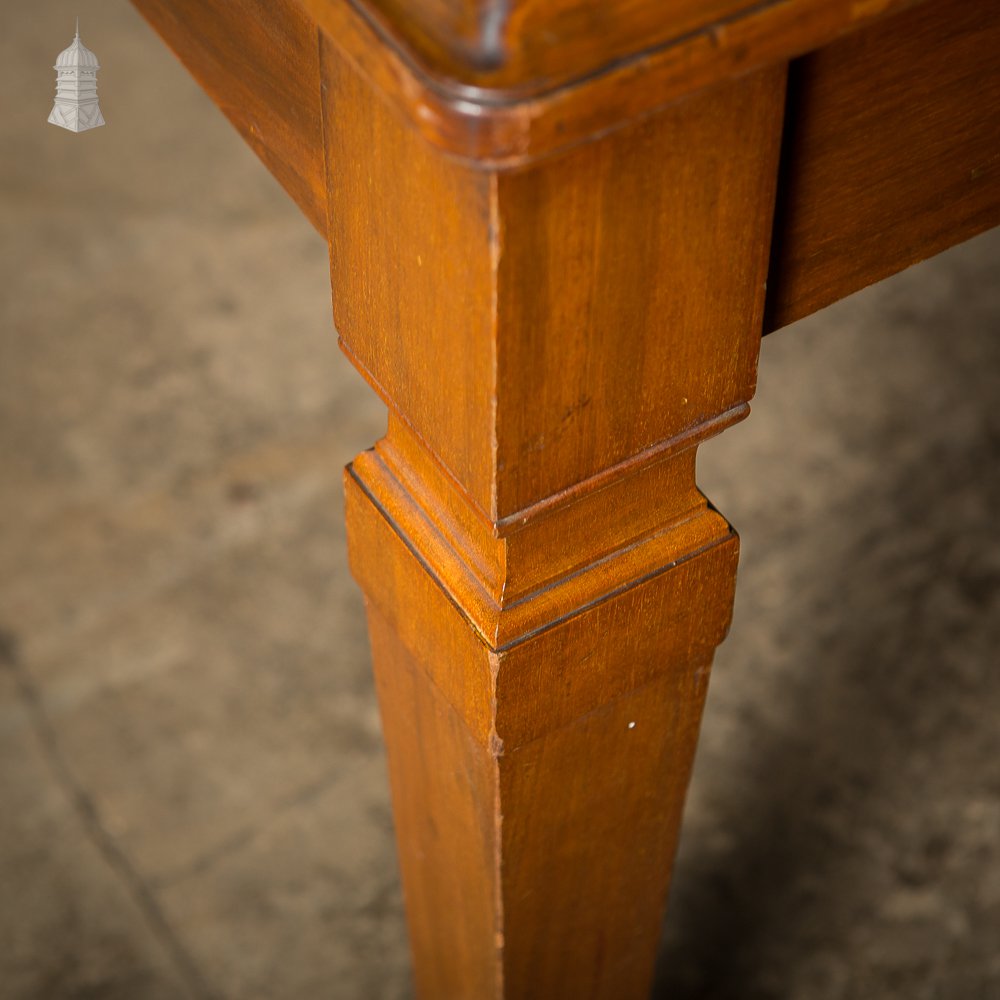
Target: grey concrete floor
pixel 193 800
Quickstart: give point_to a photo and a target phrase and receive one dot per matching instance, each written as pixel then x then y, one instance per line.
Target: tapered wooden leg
pixel 538 787
pixel 545 583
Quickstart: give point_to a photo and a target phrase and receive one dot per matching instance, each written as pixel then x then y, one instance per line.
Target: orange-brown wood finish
pixel 520 109
pixel 610 262
pixel 550 226
pixel 892 152
pixel 530 45
pixel 546 584
pixel 259 62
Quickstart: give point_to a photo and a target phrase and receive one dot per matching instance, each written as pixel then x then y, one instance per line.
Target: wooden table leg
pixel 545 583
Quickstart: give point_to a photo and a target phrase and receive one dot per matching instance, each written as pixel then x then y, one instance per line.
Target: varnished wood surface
pixel 546 584
pixel 259 62
pixel 487 119
pixel 617 330
pixel 536 44
pixel 530 326
pixel 444 794
pixel 892 153
pixel 559 293
pixel 538 789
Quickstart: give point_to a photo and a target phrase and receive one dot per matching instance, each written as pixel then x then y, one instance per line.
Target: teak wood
pixel 259 61
pixel 549 583
pixel 550 231
pixel 578 83
pixel 892 153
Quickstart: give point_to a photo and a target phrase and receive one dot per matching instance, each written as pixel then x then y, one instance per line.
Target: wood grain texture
pixel 549 235
pixel 573 69
pixel 608 287
pixel 546 584
pixel 536 327
pixel 259 62
pixel 538 790
pixel 507 121
pixel 892 153
pixel 412 273
pixel 617 776
pixel 537 44
pixel 444 793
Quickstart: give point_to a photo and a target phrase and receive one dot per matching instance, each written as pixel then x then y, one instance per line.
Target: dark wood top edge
pixel 473 89
pixel 505 127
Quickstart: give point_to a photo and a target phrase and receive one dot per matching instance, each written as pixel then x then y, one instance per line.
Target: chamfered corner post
pixel 545 583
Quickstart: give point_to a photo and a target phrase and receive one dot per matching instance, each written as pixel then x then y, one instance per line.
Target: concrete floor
pixel 193 800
